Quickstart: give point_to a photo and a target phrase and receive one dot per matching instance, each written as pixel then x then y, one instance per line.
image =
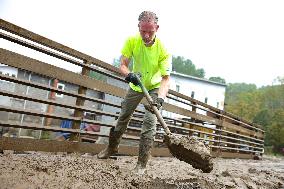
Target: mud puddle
pixel 74 171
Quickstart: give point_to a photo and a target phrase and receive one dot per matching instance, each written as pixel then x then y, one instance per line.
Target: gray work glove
pixel 158 103
pixel 131 77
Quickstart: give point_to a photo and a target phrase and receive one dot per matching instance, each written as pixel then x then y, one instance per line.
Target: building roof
pixel 196 78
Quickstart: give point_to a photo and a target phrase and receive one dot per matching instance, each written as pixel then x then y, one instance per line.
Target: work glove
pixel 158 103
pixel 131 77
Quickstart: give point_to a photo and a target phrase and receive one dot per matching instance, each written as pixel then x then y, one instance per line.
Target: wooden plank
pixel 214 129
pixel 53 89
pixel 232 155
pixel 47 128
pixel 232 143
pixel 82 132
pixel 188 113
pixel 26 144
pixel 7 26
pixel 224 148
pixel 26 63
pixel 52 102
pixel 75 131
pixel 217 111
pixel 232 127
pixel 56 116
pixel 211 120
pixel 57 55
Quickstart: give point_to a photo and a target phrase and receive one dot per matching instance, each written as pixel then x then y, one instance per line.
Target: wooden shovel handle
pixel 155 109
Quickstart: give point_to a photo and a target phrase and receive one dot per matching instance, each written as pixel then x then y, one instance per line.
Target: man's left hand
pixel 158 102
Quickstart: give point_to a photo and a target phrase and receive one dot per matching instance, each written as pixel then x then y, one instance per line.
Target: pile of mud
pixel 44 170
pixel 190 150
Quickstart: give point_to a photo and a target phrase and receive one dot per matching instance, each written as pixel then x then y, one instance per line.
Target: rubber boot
pixel 114 139
pixel 145 147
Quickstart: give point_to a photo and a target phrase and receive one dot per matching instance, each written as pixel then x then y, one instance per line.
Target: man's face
pixel 148 31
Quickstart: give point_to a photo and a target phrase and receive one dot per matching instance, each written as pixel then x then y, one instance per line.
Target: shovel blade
pixel 190 150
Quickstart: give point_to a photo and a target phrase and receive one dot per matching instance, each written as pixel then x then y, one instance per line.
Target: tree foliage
pixel 264 106
pixel 233 90
pixel 217 79
pixel 185 66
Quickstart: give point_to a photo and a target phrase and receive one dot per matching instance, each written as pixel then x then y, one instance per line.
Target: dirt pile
pixel 190 150
pixel 43 170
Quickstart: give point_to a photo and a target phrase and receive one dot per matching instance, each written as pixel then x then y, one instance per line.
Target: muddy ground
pixel 45 170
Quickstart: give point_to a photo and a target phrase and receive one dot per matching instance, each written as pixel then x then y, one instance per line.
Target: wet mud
pixel 74 171
pixel 190 150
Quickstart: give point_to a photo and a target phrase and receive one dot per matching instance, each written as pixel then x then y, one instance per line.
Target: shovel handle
pixel 155 109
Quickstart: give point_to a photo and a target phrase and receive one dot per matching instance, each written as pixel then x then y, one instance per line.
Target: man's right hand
pixel 131 77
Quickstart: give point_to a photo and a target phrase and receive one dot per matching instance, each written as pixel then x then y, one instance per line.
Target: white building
pixel 209 92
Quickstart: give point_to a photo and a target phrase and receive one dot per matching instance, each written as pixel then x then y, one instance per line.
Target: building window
pixel 60 86
pixel 177 88
pixel 206 100
pixel 192 94
pixel 90 116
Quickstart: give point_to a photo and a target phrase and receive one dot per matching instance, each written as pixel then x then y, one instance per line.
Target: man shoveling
pixel 151 61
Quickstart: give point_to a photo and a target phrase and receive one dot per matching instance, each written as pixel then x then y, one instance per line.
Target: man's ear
pixel 157 27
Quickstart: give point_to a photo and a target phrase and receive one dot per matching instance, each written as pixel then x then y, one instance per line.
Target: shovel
pixel 184 148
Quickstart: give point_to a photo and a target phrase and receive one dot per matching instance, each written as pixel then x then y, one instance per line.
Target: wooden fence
pixel 227 134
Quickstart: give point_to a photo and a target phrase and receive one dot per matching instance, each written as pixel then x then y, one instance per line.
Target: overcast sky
pixel 238 40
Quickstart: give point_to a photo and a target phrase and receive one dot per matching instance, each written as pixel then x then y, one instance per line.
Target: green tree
pixel 234 89
pixel 246 106
pixel 185 66
pixel 264 106
pixel 275 133
pixel 263 117
pixel 218 79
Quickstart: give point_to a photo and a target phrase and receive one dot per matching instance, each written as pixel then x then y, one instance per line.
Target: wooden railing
pixel 226 134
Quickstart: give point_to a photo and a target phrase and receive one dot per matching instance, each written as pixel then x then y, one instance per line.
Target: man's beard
pixel 149 42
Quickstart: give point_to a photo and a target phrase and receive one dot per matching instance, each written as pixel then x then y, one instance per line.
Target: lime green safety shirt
pixel 151 62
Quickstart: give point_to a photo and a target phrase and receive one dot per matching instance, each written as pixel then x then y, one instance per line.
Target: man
pixel 151 63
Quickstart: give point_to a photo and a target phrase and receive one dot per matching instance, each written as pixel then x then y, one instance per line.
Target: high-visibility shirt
pixel 150 62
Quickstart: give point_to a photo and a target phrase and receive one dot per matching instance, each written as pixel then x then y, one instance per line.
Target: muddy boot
pixel 144 155
pixel 114 139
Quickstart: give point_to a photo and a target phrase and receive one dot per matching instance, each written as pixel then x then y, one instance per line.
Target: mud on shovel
pixel 184 148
